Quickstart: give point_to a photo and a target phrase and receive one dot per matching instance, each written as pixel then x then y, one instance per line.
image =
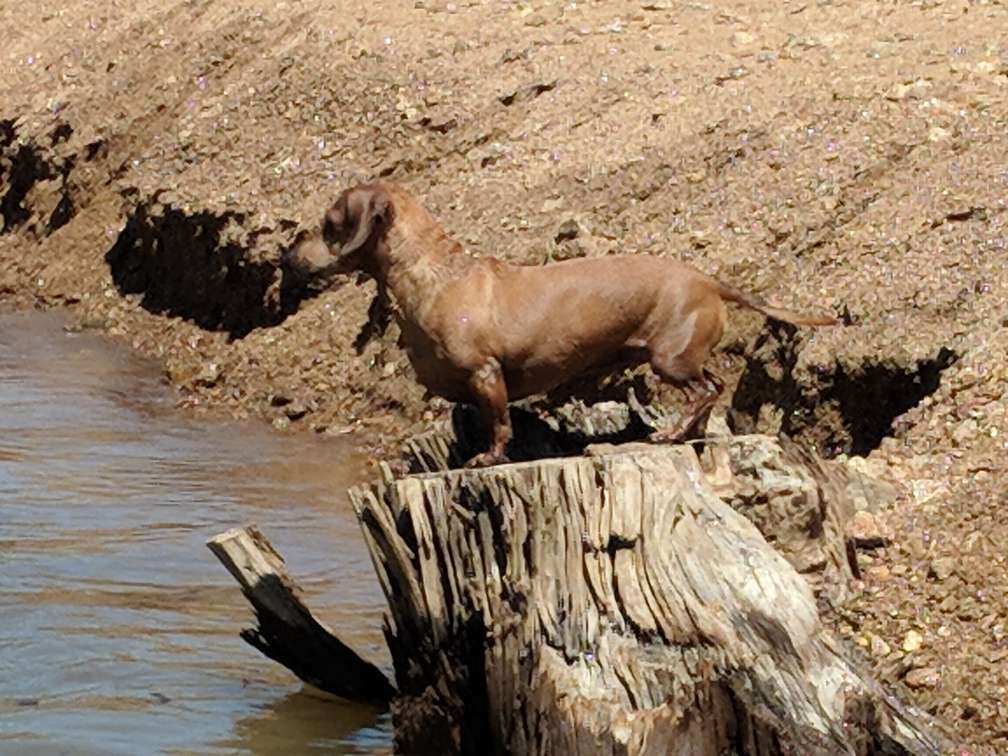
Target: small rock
pixel 924 490
pixel 868 531
pixel 912 641
pixel 879 647
pixel 942 568
pixel 511 55
pixel 965 433
pixel 938 134
pixel 743 38
pixel 739 72
pixel 209 375
pixel 879 573
pixel 925 677
pixel 869 484
pixel 296 410
pixel 568 230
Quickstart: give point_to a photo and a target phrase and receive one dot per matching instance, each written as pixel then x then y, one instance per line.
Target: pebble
pixel 942 568
pixel 568 230
pixel 868 531
pixel 925 677
pixel 296 410
pixel 209 375
pixel 912 641
pixel 878 646
pixel 879 573
pixel 743 38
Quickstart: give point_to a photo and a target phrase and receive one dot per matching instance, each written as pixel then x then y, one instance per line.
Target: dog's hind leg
pixel 684 368
pixel 701 395
pixel 490 392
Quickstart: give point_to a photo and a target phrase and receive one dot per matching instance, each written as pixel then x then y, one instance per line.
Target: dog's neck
pixel 414 285
pixel 418 259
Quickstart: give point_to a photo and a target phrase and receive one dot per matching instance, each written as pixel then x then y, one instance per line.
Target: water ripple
pixel 118 629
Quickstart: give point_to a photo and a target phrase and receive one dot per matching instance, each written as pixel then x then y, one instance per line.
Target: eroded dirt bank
pixel 157 157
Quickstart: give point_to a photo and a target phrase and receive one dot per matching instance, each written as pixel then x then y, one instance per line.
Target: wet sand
pixel 118 628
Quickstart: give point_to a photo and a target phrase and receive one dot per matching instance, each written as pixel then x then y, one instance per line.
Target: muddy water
pixel 118 628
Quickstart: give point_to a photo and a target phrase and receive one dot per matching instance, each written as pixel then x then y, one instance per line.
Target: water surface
pixel 118 628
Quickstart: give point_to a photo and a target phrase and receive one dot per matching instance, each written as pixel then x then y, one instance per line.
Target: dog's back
pixel 545 324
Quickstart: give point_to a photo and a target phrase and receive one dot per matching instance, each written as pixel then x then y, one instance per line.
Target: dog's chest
pixel 433 366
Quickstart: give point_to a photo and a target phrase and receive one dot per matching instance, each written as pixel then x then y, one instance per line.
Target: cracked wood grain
pixel 618 603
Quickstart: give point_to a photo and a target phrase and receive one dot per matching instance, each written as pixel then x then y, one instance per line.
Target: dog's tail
pixel 753 302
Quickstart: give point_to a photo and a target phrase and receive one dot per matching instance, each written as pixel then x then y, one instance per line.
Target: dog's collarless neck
pixel 415 285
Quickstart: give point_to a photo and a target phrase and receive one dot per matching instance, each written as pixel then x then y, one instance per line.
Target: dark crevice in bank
pixel 845 409
pixel 201 266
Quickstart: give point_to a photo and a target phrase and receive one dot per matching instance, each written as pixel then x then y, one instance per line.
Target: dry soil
pixel 156 157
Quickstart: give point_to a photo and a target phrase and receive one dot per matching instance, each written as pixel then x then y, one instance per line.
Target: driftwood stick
pixel 614 604
pixel 287 632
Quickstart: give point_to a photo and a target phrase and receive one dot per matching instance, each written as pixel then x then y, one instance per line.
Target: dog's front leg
pixel 490 392
pixel 379 317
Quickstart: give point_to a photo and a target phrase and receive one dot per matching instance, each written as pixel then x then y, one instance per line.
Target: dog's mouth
pixel 303 264
pixel 309 258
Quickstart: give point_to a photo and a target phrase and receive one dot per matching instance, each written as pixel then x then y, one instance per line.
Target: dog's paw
pixel 667 436
pixel 487 459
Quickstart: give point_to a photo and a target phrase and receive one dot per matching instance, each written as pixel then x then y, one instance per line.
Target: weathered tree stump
pixel 288 633
pixel 616 604
pixel 798 501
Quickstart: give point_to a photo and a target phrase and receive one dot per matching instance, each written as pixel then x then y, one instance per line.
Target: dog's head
pixel 351 229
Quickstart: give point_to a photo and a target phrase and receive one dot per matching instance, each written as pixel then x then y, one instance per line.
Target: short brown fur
pixel 483 331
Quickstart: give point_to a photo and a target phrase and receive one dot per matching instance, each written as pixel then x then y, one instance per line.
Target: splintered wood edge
pixel 591 451
pixel 248 555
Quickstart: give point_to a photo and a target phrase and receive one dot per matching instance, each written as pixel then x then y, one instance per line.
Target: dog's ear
pixel 376 210
pixel 334 219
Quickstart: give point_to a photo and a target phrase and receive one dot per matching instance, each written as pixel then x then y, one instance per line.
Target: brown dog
pixel 480 330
